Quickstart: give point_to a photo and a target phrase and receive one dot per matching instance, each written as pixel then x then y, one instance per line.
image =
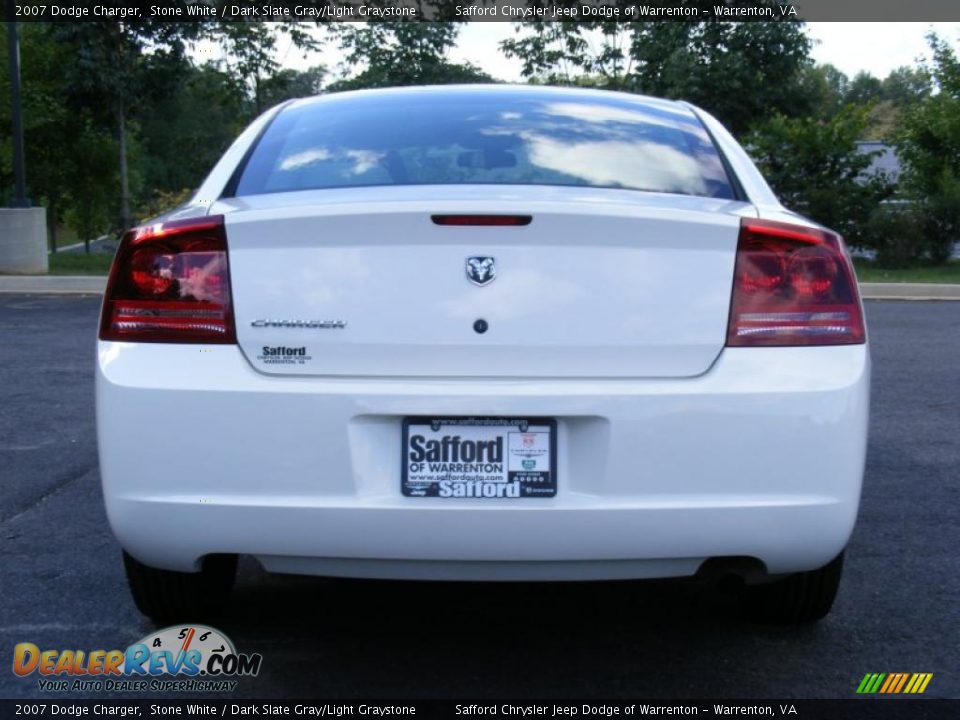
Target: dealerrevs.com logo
pixel 181 658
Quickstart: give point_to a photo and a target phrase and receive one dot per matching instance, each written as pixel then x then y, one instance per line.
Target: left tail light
pixel 170 282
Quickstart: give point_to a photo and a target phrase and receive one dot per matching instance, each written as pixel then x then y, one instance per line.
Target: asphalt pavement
pixel 62 586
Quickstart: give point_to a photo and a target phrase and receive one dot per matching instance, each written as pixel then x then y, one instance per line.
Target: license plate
pixel 479 457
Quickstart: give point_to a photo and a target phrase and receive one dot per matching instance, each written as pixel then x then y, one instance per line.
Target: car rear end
pixel 565 354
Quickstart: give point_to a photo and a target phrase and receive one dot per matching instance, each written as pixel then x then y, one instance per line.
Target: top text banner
pixel 485 10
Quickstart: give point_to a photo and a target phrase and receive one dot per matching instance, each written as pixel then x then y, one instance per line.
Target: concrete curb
pixel 95 285
pixel 53 284
pixel 909 291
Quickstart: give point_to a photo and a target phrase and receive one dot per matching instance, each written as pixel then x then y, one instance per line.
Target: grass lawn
pixel 80 263
pixel 867 271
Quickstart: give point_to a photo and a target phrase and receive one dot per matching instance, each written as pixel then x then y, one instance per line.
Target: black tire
pixel 802 598
pixel 166 596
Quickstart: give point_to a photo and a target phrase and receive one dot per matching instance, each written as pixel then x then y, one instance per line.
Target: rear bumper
pixel 760 457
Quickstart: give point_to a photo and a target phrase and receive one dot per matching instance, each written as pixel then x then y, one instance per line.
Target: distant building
pixel 886 162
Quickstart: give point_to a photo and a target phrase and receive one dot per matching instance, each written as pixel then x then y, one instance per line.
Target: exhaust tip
pixel 731 573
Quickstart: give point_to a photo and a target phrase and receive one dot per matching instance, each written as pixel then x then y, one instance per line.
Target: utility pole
pixel 20 198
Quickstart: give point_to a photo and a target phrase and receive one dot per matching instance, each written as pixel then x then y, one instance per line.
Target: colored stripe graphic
pixel 903 680
pixel 894 683
pixel 918 683
pixel 870 683
pixel 892 679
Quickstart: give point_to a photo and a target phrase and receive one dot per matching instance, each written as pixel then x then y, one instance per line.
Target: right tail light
pixel 793 285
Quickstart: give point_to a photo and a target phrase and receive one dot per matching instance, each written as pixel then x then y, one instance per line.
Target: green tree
pixel 740 71
pixel 122 69
pixel 91 201
pixel 815 168
pixel 560 53
pixel 906 86
pixel 903 88
pixel 184 126
pixel 70 154
pixel 251 47
pixel 118 117
pixel 826 90
pixel 822 89
pixel 106 74
pixel 287 84
pixel 401 53
pixel 929 146
pixel 864 88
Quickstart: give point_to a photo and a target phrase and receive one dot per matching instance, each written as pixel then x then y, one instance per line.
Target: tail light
pixel 170 282
pixel 792 285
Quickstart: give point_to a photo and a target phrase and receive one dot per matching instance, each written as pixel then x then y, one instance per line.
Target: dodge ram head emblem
pixel 481 270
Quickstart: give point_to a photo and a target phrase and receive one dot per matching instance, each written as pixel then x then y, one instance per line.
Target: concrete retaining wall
pixel 23 240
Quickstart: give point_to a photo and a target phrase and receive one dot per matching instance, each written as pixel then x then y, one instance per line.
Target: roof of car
pixel 498 90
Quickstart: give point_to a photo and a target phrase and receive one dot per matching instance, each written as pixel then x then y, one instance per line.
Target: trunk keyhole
pixel 480 326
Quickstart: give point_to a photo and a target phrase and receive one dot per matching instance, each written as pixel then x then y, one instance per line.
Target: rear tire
pixel 170 596
pixel 801 598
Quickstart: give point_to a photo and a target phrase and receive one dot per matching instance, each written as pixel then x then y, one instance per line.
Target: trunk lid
pixel 362 282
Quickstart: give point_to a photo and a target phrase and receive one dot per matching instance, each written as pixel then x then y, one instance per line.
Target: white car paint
pixel 672 449
pixel 760 457
pixel 546 312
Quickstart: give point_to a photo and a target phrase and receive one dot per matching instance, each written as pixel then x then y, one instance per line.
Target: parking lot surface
pixel 62 586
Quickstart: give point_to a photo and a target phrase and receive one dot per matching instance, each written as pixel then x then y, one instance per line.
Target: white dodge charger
pixel 483 333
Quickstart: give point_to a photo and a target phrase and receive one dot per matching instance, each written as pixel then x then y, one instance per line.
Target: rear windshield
pixel 509 138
